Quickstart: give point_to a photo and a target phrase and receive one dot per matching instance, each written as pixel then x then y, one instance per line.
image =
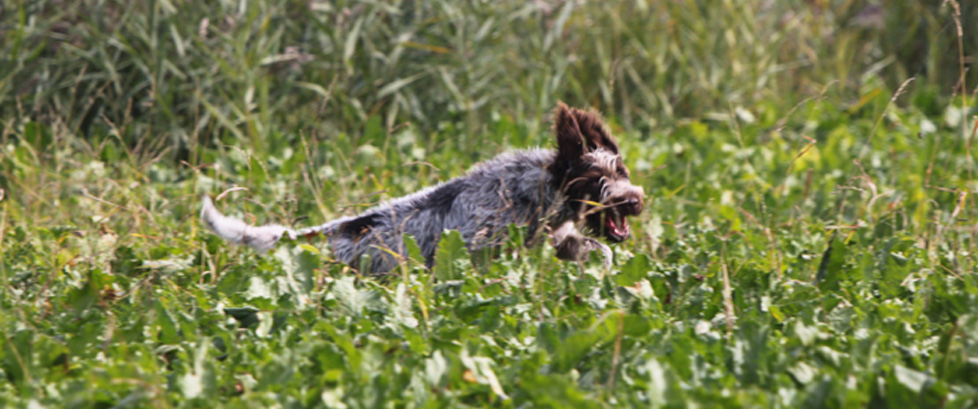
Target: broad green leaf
pixel 831 270
pixel 451 257
pixel 634 270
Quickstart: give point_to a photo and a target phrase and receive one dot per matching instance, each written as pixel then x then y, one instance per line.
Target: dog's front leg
pixel 572 245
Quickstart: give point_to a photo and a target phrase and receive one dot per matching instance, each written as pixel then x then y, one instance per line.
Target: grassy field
pixel 809 238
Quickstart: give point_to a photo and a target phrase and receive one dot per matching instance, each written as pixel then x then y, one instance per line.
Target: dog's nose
pixel 630 205
pixel 634 205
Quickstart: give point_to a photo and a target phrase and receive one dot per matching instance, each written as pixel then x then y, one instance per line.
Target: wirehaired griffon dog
pixel 577 193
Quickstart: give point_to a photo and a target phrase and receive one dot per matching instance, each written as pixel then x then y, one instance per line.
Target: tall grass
pixel 261 72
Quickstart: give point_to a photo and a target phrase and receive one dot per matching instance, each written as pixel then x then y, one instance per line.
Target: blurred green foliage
pixel 781 146
pixel 260 72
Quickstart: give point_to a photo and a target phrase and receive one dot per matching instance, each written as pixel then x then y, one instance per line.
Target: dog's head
pixel 588 169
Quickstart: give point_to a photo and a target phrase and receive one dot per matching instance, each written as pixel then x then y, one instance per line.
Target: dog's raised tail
pixel 261 238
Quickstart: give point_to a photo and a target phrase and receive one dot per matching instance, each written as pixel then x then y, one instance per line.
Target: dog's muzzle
pixel 627 203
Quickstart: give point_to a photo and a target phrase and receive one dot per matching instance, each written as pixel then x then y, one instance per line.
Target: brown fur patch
pixel 578 132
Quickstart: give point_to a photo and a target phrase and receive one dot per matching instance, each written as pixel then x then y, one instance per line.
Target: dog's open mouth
pixel 615 225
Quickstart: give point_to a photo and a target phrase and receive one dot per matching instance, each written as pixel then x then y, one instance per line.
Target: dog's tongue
pixel 620 231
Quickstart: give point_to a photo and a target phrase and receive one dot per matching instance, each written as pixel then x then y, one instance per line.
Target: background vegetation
pixel 809 239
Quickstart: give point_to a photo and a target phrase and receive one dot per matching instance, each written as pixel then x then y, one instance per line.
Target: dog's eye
pixel 620 167
pixel 597 185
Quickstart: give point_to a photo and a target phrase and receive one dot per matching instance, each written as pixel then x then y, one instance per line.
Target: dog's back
pixel 510 189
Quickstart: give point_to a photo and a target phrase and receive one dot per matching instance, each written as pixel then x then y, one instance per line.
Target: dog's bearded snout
pixel 629 204
pixel 626 201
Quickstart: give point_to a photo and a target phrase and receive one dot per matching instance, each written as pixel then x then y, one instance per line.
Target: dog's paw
pixel 572 248
pixel 592 244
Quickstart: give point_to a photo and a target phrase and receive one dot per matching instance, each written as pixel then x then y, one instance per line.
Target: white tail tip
pixel 261 238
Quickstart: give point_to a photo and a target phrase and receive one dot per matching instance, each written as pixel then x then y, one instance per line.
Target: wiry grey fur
pixel 545 190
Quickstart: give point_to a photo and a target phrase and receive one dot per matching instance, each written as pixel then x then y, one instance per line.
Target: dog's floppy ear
pixel 570 140
pixel 579 132
pixel 594 132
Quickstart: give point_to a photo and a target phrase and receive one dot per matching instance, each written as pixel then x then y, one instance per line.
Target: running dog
pixel 575 194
